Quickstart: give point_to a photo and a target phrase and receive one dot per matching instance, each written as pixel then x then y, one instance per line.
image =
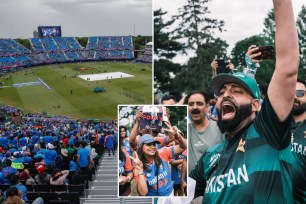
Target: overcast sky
pixel 19 18
pixel 243 18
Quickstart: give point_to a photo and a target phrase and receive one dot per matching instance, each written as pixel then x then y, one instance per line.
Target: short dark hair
pixel 205 95
pixel 301 81
pixel 83 143
pixel 167 97
pixel 176 94
pixel 14 179
pixel 8 162
pixel 12 191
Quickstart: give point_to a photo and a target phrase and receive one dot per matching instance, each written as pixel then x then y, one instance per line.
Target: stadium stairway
pixel 104 187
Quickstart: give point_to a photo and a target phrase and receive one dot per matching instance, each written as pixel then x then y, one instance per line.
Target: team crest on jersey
pixel 241 146
pixel 214 159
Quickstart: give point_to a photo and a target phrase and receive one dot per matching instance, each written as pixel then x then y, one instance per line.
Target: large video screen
pixel 49 31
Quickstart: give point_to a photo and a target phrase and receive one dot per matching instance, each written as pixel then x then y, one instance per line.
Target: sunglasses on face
pixel 299 93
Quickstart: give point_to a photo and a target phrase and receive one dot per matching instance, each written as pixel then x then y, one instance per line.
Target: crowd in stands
pixel 111 47
pixel 57 155
pixel 64 49
pixel 145 58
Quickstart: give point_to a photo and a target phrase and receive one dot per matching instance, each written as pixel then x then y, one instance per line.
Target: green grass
pixel 83 102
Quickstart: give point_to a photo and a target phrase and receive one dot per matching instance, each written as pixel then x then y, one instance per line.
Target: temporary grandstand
pixel 52 50
pixel 147 54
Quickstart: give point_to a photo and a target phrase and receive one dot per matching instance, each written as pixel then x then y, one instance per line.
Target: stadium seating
pixel 14 56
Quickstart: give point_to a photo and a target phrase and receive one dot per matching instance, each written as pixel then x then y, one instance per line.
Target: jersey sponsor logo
pixel 161 176
pixel 217 183
pixel 199 143
pixel 298 148
pixel 214 159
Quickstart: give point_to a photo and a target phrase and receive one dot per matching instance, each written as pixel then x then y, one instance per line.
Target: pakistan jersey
pixel 252 167
pixel 298 149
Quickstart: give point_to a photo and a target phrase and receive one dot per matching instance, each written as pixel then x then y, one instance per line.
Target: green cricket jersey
pixel 253 167
pixel 298 149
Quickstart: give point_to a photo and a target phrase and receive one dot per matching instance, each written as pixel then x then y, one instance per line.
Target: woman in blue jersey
pixel 125 171
pixel 125 140
pixel 152 170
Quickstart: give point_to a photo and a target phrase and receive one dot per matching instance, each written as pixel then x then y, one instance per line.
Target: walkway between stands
pixel 104 187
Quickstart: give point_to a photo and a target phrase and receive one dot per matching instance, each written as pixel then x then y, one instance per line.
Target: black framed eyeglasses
pixel 299 93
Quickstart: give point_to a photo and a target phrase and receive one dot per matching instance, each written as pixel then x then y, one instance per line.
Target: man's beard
pixel 242 112
pixel 300 109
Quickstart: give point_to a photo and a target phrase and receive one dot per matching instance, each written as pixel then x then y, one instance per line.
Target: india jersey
pixel 127 147
pixel 159 180
pixel 298 149
pixel 176 172
pixel 253 167
pixel 125 166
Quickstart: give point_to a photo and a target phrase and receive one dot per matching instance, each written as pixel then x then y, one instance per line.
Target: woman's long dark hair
pixel 142 158
pixel 121 154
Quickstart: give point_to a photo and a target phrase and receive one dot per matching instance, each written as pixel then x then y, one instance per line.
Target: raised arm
pixel 183 175
pixel 134 131
pixel 282 86
pixel 174 133
pixel 141 180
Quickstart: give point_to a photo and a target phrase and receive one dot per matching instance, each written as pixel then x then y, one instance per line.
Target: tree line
pixel 194 33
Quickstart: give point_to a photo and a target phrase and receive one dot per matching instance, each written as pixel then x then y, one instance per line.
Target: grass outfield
pixel 83 102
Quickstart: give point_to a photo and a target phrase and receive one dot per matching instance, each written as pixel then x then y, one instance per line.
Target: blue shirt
pixel 23 141
pixel 71 141
pixel 127 146
pixel 50 156
pixel 4 142
pixel 19 160
pixel 83 154
pixel 47 139
pixel 35 139
pixel 165 185
pixel 22 188
pixel 14 142
pixel 109 143
pixel 73 166
pixel 8 171
pixel 2 179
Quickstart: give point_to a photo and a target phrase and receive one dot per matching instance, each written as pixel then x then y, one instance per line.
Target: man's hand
pixel 174 132
pixel 230 66
pixel 214 65
pixel 138 116
pixel 253 54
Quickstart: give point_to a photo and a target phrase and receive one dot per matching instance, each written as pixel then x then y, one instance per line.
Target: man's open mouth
pixel 228 110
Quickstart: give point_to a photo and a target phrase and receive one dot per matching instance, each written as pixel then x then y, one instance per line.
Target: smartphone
pixel 267 52
pixel 222 66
